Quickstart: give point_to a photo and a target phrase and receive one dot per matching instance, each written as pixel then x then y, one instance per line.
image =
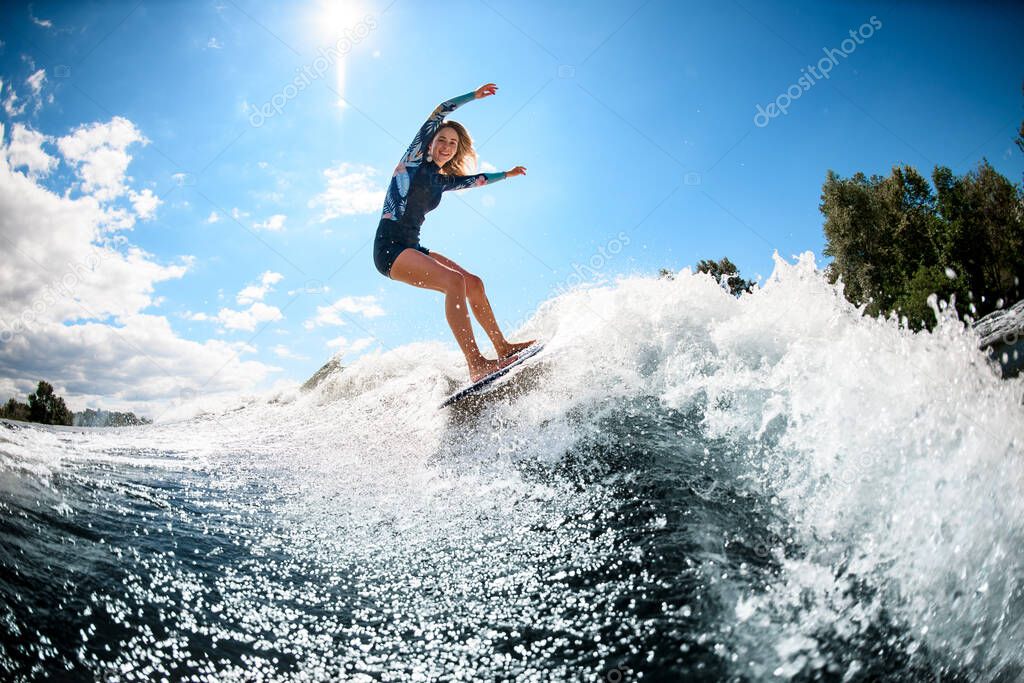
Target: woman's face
pixel 445 144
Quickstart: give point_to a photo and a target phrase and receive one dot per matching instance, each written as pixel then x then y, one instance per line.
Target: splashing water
pixel 685 484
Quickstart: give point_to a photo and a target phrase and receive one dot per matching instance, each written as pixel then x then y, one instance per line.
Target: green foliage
pixel 48 408
pixel 1020 134
pixel 106 418
pixel 1020 137
pixel 717 269
pixel 892 239
pixel 928 280
pixel 14 410
pixel 982 213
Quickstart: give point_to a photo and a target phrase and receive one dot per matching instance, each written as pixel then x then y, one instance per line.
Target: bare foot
pixel 487 367
pixel 515 348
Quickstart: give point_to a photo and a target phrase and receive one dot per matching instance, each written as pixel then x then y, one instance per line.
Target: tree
pixel 928 280
pixel 1020 134
pixel 879 232
pixel 13 410
pixel 107 418
pixel 984 231
pixel 894 240
pixel 717 269
pixel 46 407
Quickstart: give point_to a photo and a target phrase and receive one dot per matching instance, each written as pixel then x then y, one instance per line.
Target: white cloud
pixel 36 80
pixel 274 223
pixel 45 23
pixel 350 191
pixel 487 167
pixel 99 154
pixel 311 287
pixel 238 214
pixel 26 149
pixel 283 351
pixel 342 346
pixel 116 218
pixel 61 279
pixel 214 44
pixel 253 293
pixel 213 217
pixel 145 203
pixel 56 244
pixel 248 319
pixel 365 306
pixel 142 365
pixel 10 103
pixel 35 84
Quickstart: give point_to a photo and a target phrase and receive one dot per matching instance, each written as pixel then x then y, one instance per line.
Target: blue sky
pixel 239 255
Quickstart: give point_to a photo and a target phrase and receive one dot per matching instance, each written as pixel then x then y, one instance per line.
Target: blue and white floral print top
pixel 417 184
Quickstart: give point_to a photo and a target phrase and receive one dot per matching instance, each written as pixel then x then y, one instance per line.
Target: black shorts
pixel 392 239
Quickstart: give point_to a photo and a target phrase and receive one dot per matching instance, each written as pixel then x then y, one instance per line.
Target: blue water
pixel 684 485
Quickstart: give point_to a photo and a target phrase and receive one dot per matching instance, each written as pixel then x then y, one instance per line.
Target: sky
pixel 189 191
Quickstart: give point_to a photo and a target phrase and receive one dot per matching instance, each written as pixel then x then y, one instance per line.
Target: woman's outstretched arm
pixel 414 154
pixel 461 182
pixel 398 188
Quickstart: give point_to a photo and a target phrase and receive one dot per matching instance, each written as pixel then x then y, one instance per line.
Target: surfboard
pixel 485 382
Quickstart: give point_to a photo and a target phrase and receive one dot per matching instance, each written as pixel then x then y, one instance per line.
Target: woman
pixel 415 189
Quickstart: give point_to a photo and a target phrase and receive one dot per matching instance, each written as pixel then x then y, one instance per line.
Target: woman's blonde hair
pixel 465 160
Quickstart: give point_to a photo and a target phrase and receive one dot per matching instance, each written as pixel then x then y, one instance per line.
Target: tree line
pixel 46 407
pixel 719 269
pixel 895 240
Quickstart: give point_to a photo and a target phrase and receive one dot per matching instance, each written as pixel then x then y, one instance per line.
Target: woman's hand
pixel 485 90
pixel 518 170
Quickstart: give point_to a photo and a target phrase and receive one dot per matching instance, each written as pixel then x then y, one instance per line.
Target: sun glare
pixel 338 25
pixel 332 18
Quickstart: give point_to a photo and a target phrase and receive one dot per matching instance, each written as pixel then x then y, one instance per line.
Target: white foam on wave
pixel 895 456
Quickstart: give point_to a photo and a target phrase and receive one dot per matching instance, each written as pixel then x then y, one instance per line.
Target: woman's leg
pixel 417 269
pixel 482 308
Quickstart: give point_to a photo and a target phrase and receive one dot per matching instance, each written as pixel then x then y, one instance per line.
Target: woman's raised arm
pixel 414 154
pixel 461 182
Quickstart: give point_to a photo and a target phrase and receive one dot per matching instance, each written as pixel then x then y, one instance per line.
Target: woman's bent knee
pixel 474 284
pixel 455 283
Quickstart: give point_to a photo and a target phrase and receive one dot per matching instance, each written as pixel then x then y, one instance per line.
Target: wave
pixel 685 482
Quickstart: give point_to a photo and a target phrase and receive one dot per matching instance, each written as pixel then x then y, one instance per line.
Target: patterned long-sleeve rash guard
pixel 417 184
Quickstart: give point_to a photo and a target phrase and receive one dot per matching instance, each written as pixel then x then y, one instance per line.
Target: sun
pixel 331 19
pixel 337 26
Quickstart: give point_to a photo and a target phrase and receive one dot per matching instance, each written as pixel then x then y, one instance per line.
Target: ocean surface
pixel 684 485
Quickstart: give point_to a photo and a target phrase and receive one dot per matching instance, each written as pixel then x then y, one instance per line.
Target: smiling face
pixel 445 145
